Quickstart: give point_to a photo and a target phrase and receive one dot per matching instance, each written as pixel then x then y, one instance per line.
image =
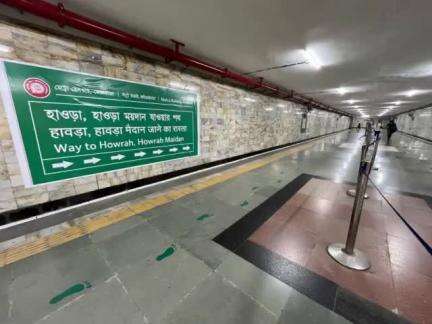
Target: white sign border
pixel 6 94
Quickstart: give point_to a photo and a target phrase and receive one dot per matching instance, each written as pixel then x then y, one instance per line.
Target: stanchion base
pixel 357 261
pixel 352 193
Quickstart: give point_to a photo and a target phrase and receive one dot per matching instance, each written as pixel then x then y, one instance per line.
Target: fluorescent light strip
pixel 412 92
pixel 341 90
pixel 312 59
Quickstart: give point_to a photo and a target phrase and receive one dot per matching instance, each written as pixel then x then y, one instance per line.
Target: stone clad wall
pixel 418 122
pixel 230 125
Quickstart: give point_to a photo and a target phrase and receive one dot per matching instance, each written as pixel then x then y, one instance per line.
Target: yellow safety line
pixel 91 225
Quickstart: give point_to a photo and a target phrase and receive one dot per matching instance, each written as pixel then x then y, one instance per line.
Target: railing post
pixel 346 254
pixel 375 150
pixel 352 192
pixel 357 209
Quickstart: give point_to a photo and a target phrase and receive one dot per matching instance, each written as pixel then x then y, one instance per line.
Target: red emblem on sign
pixel 37 88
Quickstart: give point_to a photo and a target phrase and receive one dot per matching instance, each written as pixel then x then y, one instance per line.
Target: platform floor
pixel 319 214
pixel 242 245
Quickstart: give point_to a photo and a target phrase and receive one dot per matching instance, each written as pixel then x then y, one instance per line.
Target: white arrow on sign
pixel 62 165
pixel 186 148
pixel 157 151
pixel 174 149
pixel 140 154
pixel 117 157
pixel 93 160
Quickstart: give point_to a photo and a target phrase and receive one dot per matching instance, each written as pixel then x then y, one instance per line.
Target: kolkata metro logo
pixel 37 88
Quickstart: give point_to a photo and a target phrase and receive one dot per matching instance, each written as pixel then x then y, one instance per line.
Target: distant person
pixel 391 128
pixel 377 128
pixel 358 127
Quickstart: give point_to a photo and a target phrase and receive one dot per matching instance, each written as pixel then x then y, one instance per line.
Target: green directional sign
pixel 67 124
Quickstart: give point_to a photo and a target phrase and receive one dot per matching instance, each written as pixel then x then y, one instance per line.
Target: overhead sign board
pixel 66 124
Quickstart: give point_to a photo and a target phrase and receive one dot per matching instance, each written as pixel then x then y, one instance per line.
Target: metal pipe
pixel 66 17
pixel 358 205
pixel 375 150
pixel 346 254
pixel 364 172
pixel 368 136
pixel 353 192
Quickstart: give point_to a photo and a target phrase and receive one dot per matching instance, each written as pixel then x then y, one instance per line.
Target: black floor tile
pixel 318 288
pixel 312 285
pixel 238 233
pixel 360 310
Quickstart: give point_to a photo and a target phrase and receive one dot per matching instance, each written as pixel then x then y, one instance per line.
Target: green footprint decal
pixel 203 217
pixel 72 290
pixel 165 254
pixel 254 188
pixel 279 181
pixel 244 203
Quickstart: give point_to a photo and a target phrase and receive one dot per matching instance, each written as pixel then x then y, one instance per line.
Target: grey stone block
pixel 104 304
pixel 158 286
pixel 38 279
pixel 217 301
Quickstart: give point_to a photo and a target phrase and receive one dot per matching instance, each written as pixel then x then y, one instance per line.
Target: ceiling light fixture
pixel 281 105
pixel 249 99
pixel 269 109
pixel 341 90
pixel 384 112
pixel 412 92
pixel 311 58
pixel 397 103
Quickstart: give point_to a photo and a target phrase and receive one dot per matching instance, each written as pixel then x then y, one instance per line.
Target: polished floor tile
pixel 262 287
pixel 413 294
pixel 112 303
pixel 162 266
pixel 300 231
pixel 217 300
pixel 39 279
pixel 302 310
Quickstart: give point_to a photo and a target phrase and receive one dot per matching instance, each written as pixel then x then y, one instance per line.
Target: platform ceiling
pixel 375 50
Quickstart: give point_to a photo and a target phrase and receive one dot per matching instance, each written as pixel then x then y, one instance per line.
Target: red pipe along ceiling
pixel 66 17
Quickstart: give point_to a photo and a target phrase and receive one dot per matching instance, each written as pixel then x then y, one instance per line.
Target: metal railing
pixel 346 254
